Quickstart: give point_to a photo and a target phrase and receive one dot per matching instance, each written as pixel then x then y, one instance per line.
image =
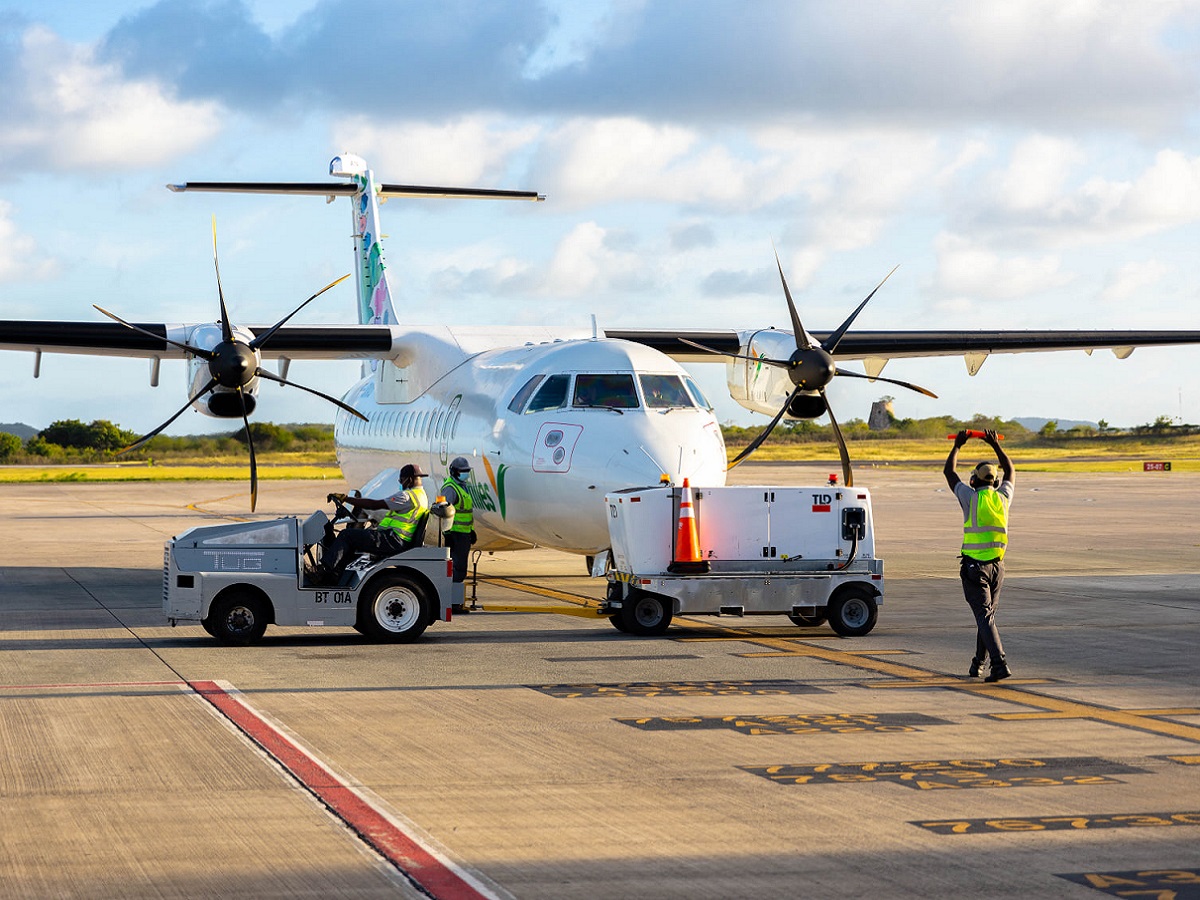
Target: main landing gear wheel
pixel 393 608
pixel 646 615
pixel 853 612
pixel 237 617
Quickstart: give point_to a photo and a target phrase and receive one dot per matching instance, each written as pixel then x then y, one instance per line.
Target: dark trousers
pixel 981 583
pixel 459 543
pixel 353 541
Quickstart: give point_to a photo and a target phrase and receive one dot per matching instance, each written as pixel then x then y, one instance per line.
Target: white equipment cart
pixel 804 552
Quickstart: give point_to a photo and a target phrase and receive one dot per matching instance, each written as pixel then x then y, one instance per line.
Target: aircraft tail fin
pixel 375 294
pixel 375 305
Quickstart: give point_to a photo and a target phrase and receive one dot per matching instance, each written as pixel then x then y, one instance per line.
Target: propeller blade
pixel 263 373
pixel 250 445
pixel 226 327
pixel 194 351
pixel 830 343
pixel 261 339
pixel 778 363
pixel 802 341
pixel 847 474
pixel 204 390
pixel 765 433
pixel 906 384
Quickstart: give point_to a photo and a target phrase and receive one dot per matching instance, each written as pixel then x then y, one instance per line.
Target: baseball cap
pixel 411 471
pixel 985 472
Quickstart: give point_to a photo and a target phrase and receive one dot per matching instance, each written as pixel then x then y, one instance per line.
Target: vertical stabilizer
pixel 374 290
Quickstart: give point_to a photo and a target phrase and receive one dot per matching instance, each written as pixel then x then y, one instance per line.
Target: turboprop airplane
pixel 551 418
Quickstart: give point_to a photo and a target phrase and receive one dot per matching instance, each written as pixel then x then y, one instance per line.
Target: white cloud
pixel 973 271
pixel 587 262
pixel 76 114
pixel 20 259
pixel 1036 174
pixel 1133 280
pixel 471 150
pixel 608 160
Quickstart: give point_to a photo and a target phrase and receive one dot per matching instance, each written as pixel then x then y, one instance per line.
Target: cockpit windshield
pixel 664 391
pixel 551 395
pixel 609 391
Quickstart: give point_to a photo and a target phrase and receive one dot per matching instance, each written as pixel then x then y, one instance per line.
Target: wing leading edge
pixel 885 345
pixel 113 339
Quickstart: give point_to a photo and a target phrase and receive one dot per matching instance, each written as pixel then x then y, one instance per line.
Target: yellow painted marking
pixel 853 652
pixel 1186 760
pixel 577 599
pixel 581 611
pixel 947 682
pixel 1180 711
pixel 914 677
pixel 1017 717
pixel 1074 709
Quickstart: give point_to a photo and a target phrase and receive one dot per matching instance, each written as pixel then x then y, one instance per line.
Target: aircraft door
pixel 445 429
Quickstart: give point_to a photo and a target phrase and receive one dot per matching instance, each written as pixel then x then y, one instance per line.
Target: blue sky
pixel 1027 164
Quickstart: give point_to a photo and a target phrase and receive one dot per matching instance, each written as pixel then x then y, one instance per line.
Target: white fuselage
pixel 540 470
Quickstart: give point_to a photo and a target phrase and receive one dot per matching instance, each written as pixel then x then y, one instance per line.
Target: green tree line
pixel 72 441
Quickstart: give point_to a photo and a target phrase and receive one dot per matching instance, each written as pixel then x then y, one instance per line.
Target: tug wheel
pixel 237 617
pixel 394 608
pixel 646 615
pixel 852 613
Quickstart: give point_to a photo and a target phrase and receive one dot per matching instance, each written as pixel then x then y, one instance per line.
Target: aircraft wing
pixel 885 345
pixel 114 339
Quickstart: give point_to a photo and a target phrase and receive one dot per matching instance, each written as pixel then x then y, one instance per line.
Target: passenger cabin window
pixel 605 392
pixel 525 393
pixel 551 395
pixel 664 391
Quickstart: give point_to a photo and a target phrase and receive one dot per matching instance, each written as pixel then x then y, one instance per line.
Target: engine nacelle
pixel 220 402
pixel 763 388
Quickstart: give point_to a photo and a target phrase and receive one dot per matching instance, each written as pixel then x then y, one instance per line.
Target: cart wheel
pixel 237 617
pixel 807 621
pixel 646 615
pixel 617 622
pixel 393 607
pixel 852 613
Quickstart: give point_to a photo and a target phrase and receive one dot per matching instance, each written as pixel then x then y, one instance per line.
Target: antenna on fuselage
pixel 595 331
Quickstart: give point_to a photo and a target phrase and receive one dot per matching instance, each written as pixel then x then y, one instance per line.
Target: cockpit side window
pixel 551 395
pixel 664 391
pixel 525 393
pixel 698 394
pixel 610 391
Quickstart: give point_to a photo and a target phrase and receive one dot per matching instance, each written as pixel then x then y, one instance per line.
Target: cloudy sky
pixel 1027 165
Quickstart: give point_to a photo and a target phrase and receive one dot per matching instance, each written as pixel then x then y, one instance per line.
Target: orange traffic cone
pixel 688 560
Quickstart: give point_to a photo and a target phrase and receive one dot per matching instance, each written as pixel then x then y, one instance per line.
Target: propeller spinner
pixel 233 363
pixel 810 367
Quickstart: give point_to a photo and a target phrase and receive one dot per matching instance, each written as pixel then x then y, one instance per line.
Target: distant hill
pixel 1034 424
pixel 21 430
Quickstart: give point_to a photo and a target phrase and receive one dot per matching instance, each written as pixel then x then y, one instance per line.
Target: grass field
pixel 1107 454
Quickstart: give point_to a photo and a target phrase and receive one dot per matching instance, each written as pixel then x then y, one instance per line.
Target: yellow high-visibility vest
pixel 405 523
pixel 464 518
pixel 985 531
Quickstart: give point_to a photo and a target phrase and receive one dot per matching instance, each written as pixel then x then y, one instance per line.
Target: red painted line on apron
pixel 403 851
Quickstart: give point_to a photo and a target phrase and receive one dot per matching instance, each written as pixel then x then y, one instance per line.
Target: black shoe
pixel 976 668
pixel 1000 670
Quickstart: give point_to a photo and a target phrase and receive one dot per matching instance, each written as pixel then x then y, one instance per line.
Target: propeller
pixel 233 364
pixel 810 367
